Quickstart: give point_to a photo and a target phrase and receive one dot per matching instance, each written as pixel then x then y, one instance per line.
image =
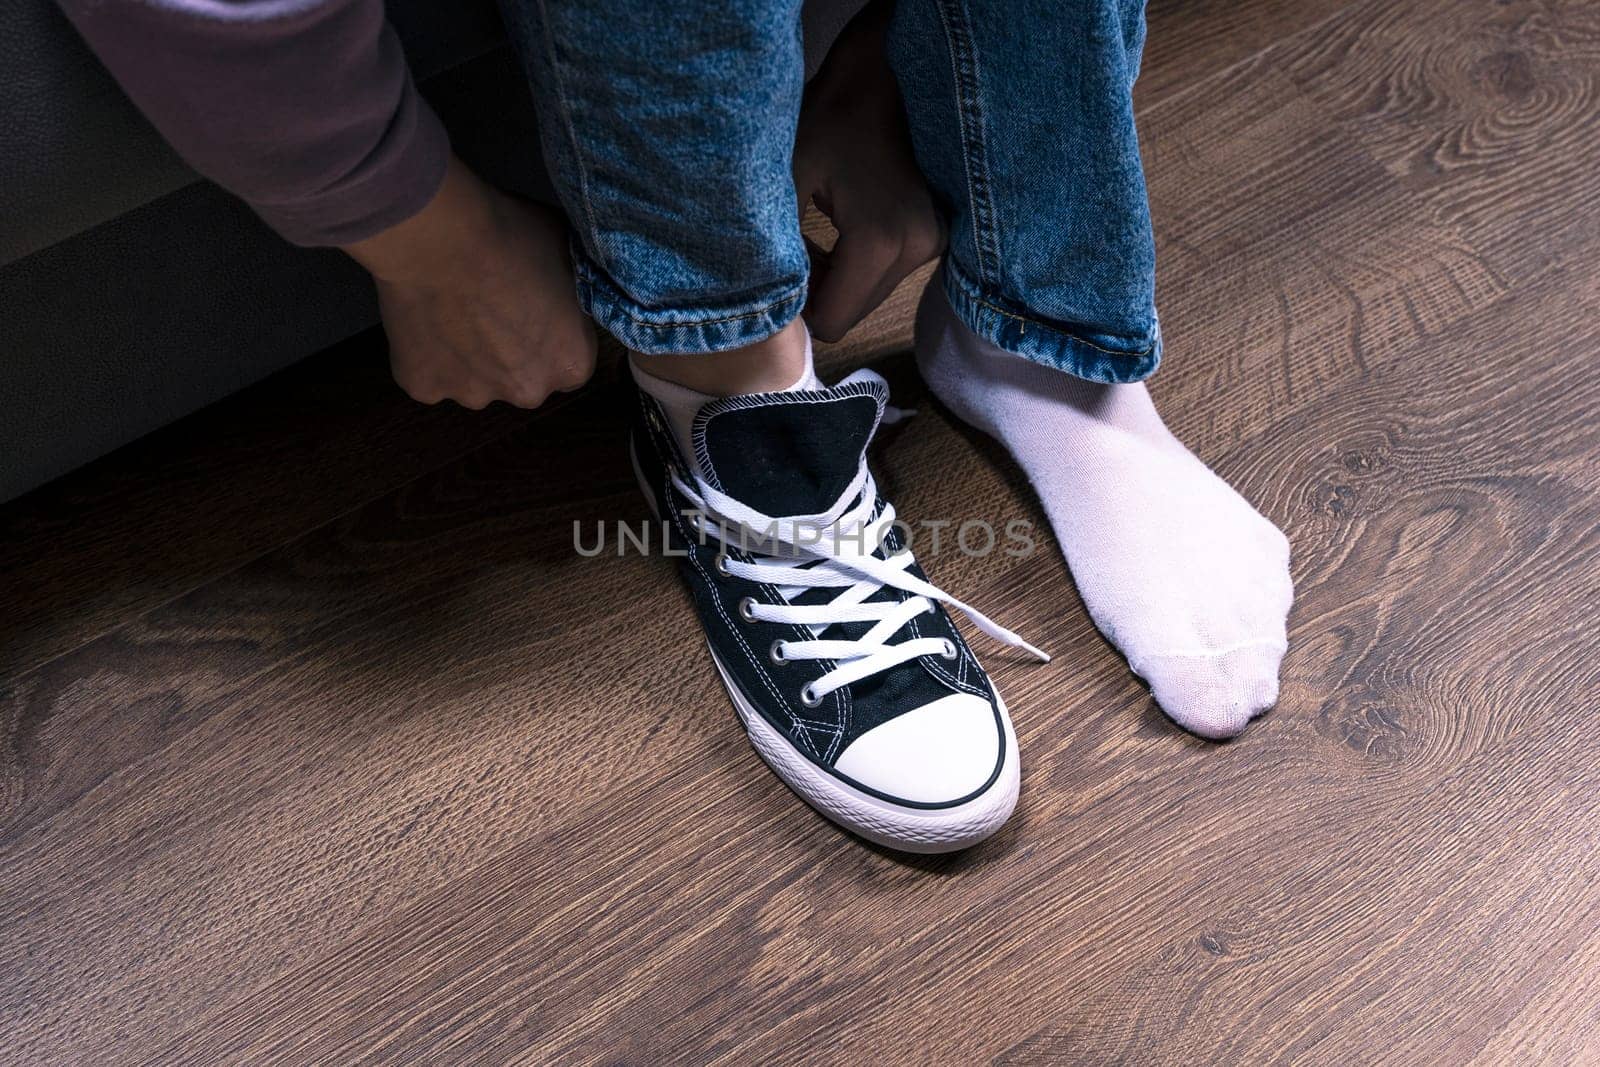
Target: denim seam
pixel 618 301
pixel 969 116
pixel 1139 353
pixel 751 314
pixel 1041 324
pixel 565 108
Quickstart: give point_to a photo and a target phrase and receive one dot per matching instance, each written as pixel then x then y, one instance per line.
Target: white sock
pixel 682 404
pixel 1178 571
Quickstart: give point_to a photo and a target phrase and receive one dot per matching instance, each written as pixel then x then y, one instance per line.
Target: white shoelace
pixel 832 549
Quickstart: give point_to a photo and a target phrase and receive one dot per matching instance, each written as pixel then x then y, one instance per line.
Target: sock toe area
pixel 1215 695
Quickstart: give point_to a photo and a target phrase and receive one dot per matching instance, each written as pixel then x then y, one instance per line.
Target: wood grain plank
pixel 1489 116
pixel 193 501
pixel 1188 41
pixel 1264 206
pixel 399 772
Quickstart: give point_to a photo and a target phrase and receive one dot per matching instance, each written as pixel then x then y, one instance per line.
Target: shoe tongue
pixel 790 453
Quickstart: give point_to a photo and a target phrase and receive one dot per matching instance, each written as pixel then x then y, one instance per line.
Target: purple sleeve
pixel 304 108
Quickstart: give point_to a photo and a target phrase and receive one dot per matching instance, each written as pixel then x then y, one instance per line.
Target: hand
pixel 853 159
pixel 478 300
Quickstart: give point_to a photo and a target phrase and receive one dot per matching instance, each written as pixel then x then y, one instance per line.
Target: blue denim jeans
pixel 669 129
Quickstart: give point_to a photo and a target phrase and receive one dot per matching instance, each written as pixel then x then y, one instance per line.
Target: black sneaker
pixel 844 667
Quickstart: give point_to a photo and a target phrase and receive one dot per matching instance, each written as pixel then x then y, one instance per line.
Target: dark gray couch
pixel 132 292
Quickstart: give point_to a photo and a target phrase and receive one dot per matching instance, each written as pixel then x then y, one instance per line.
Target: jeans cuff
pixel 659 331
pixel 1095 357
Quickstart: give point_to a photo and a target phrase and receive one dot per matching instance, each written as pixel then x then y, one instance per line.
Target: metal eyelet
pixel 747 610
pixel 949 649
pixel 775 653
pixel 722 564
pixel 808 697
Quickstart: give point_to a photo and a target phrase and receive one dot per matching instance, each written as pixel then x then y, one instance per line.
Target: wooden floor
pixel 279 783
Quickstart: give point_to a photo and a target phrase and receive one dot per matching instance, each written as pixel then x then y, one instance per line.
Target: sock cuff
pixel 673 394
pixel 681 404
pixel 670 394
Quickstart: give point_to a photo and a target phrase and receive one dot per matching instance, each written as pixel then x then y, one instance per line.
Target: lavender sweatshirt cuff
pixel 303 108
pixel 391 183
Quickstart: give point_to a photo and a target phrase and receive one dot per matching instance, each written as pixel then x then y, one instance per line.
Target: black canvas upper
pixel 788 454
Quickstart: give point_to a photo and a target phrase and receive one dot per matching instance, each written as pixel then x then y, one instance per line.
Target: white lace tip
pixel 1039 654
pixel 892 414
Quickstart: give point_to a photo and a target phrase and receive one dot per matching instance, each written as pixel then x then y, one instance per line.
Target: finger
pixel 425 395
pixel 528 396
pixel 474 392
pixel 585 360
pixel 861 272
pixel 424 388
pixel 808 180
pixel 924 239
pixel 819 268
pixel 533 390
pixel 427 380
pixel 579 365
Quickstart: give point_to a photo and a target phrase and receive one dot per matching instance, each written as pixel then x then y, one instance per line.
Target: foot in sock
pixel 1177 570
pixel 849 676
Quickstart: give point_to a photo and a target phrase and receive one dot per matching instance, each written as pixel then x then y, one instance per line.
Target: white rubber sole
pixel 908 829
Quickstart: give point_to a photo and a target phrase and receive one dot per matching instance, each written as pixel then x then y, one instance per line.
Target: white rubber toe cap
pixel 938 753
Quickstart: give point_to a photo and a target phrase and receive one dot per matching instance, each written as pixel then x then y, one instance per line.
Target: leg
pixel 1021 113
pixel 1022 120
pixel 670 129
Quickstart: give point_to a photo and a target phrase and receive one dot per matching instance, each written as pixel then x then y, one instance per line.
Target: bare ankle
pixel 766 366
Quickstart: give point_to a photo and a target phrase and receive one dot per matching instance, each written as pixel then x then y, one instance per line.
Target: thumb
pixel 860 273
pixel 809 179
